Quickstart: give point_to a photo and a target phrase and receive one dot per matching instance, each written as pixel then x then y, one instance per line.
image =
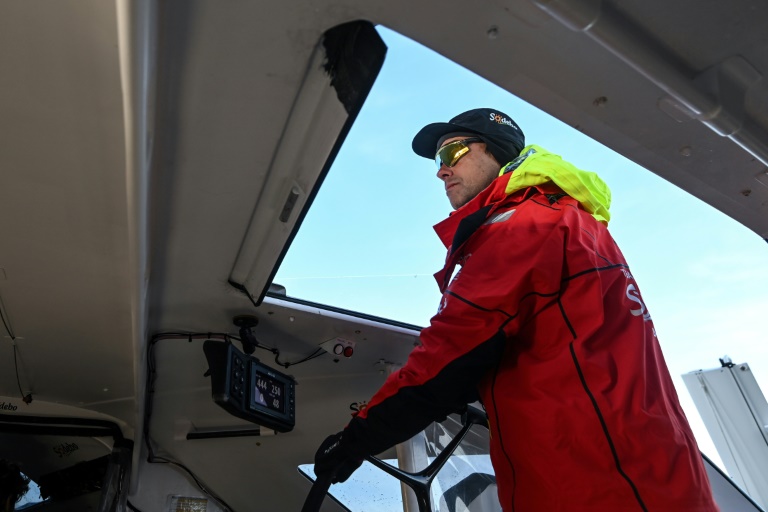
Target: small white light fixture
pixel 339 347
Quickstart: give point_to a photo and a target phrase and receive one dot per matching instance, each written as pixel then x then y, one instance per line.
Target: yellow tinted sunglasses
pixel 451 153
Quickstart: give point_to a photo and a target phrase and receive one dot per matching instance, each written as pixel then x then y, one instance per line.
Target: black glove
pixel 335 458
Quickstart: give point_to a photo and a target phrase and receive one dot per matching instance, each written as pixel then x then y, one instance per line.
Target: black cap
pixel 504 139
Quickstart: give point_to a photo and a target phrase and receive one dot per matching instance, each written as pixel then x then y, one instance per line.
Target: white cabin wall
pixel 158 483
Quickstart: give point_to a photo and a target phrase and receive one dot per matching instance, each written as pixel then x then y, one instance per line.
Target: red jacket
pixel 545 324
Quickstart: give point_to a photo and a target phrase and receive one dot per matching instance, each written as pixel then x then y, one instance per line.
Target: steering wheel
pixel 419 481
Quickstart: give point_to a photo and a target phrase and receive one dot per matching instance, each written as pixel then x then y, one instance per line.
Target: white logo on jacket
pixel 634 295
pixel 459 265
pixel 501 217
pixel 442 305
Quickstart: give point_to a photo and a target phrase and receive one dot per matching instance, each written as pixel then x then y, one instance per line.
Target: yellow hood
pixel 536 166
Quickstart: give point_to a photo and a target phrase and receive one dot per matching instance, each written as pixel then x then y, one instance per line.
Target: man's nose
pixel 444 172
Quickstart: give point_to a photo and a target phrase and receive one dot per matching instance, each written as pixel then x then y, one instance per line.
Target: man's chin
pixel 455 199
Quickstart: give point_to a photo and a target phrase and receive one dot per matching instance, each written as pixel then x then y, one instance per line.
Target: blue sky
pixel 367 244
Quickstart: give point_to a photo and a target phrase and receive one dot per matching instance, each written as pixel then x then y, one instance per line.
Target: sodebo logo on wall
pixel 7 407
pixel 65 449
pixel 501 120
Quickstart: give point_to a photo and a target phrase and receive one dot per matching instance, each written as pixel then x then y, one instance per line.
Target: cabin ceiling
pixel 139 143
pixel 63 212
pixel 136 139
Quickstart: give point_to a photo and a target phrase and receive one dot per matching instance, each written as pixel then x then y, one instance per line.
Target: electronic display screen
pixel 269 392
pixel 249 389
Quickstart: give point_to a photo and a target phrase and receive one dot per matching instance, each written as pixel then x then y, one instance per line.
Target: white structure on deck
pixel 735 413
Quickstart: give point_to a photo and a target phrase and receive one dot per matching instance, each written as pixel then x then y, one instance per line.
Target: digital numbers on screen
pixel 269 392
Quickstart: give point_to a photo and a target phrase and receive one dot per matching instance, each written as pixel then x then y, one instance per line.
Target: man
pixel 545 324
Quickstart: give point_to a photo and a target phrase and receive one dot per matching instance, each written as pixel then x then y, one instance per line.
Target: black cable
pixel 16 367
pixel 214 496
pixel 226 337
pixel 149 391
pixel 28 398
pixel 130 506
pixel 5 323
pixel 257 345
pixel 314 355
pixel 317 353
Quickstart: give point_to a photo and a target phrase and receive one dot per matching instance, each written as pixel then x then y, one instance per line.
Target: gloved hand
pixel 335 457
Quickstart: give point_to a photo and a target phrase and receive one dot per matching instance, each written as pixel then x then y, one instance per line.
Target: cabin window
pixel 31 497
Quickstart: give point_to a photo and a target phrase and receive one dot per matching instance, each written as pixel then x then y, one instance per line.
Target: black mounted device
pixel 247 388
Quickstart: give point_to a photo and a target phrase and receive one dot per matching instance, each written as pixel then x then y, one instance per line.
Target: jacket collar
pixel 535 168
pixel 493 193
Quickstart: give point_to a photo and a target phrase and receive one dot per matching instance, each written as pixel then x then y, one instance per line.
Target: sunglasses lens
pixel 449 154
